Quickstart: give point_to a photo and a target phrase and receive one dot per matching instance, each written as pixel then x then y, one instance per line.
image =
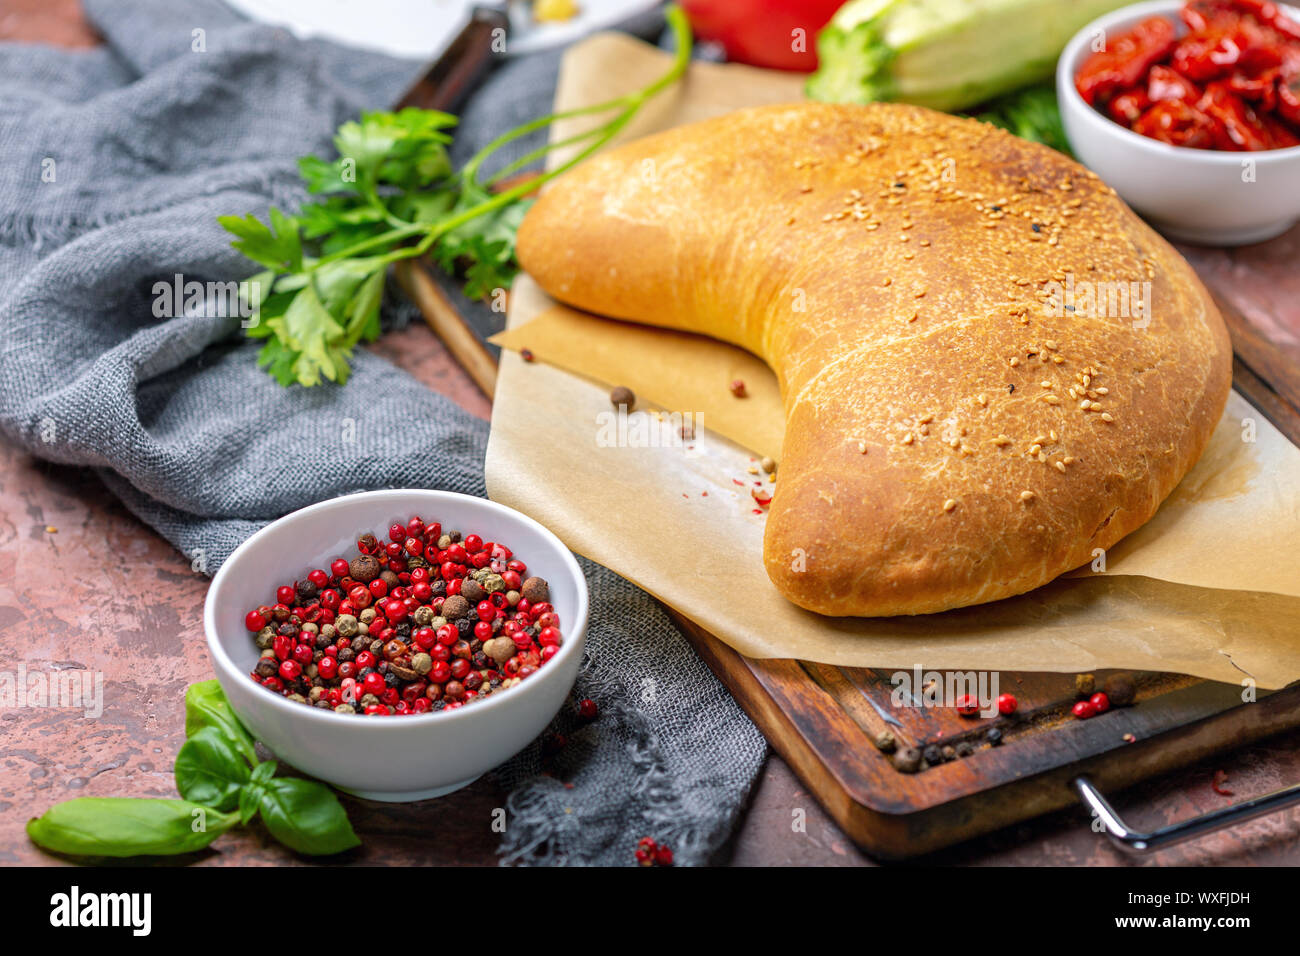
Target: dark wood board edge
pixel 1275 366
pixel 762 686
pixel 1269 403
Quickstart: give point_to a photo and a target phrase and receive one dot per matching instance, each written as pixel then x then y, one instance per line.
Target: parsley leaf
pixel 390 194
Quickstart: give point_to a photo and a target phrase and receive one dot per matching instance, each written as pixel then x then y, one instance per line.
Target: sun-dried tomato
pixel 1179 124
pixel 1126 107
pixel 1232 82
pixel 1126 59
pixel 1239 122
pixel 1165 84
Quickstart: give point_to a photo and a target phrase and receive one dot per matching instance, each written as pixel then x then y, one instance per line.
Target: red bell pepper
pixel 763 32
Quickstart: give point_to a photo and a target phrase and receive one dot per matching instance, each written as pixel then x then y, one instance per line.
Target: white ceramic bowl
pixel 1200 195
pixel 390 758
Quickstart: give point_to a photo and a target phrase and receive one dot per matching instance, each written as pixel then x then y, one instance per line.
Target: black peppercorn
pixel 307 592
pixel 1120 689
pixel 994 736
pixel 932 755
pixel 964 749
pixel 622 396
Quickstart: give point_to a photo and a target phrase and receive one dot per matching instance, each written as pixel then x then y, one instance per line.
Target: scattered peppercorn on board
pixel 824 720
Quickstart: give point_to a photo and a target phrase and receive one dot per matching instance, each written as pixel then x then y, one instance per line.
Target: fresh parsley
pixel 392 194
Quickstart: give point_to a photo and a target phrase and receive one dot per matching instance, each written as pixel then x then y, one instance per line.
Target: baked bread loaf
pixel 976 398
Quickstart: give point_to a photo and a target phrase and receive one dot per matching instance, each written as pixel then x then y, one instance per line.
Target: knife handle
pixel 461 66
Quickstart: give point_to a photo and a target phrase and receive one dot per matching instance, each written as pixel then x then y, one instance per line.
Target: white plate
pixel 421 29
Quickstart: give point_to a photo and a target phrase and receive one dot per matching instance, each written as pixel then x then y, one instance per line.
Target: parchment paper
pixel 678 517
pixel 1233 522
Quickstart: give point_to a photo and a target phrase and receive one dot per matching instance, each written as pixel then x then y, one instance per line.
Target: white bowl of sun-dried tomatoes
pixel 1191 111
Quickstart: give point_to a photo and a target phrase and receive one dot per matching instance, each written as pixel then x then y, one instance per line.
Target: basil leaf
pixel 209 770
pixel 306 816
pixel 122 826
pixel 250 796
pixel 206 706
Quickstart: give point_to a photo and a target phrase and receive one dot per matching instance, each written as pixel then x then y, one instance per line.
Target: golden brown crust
pixel 954 435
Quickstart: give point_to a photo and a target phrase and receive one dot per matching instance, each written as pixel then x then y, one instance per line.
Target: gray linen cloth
pixel 114 164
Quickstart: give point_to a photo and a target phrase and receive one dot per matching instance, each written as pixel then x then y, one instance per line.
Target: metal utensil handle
pixel 1132 841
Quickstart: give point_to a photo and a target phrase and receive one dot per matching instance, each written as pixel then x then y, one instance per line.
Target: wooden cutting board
pixel 822 719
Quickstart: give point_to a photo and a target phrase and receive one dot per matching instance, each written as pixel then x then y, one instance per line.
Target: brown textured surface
pixel 889 263
pixel 105 592
pixel 129 591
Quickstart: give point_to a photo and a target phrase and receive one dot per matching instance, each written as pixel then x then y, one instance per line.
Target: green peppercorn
pixel 885 742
